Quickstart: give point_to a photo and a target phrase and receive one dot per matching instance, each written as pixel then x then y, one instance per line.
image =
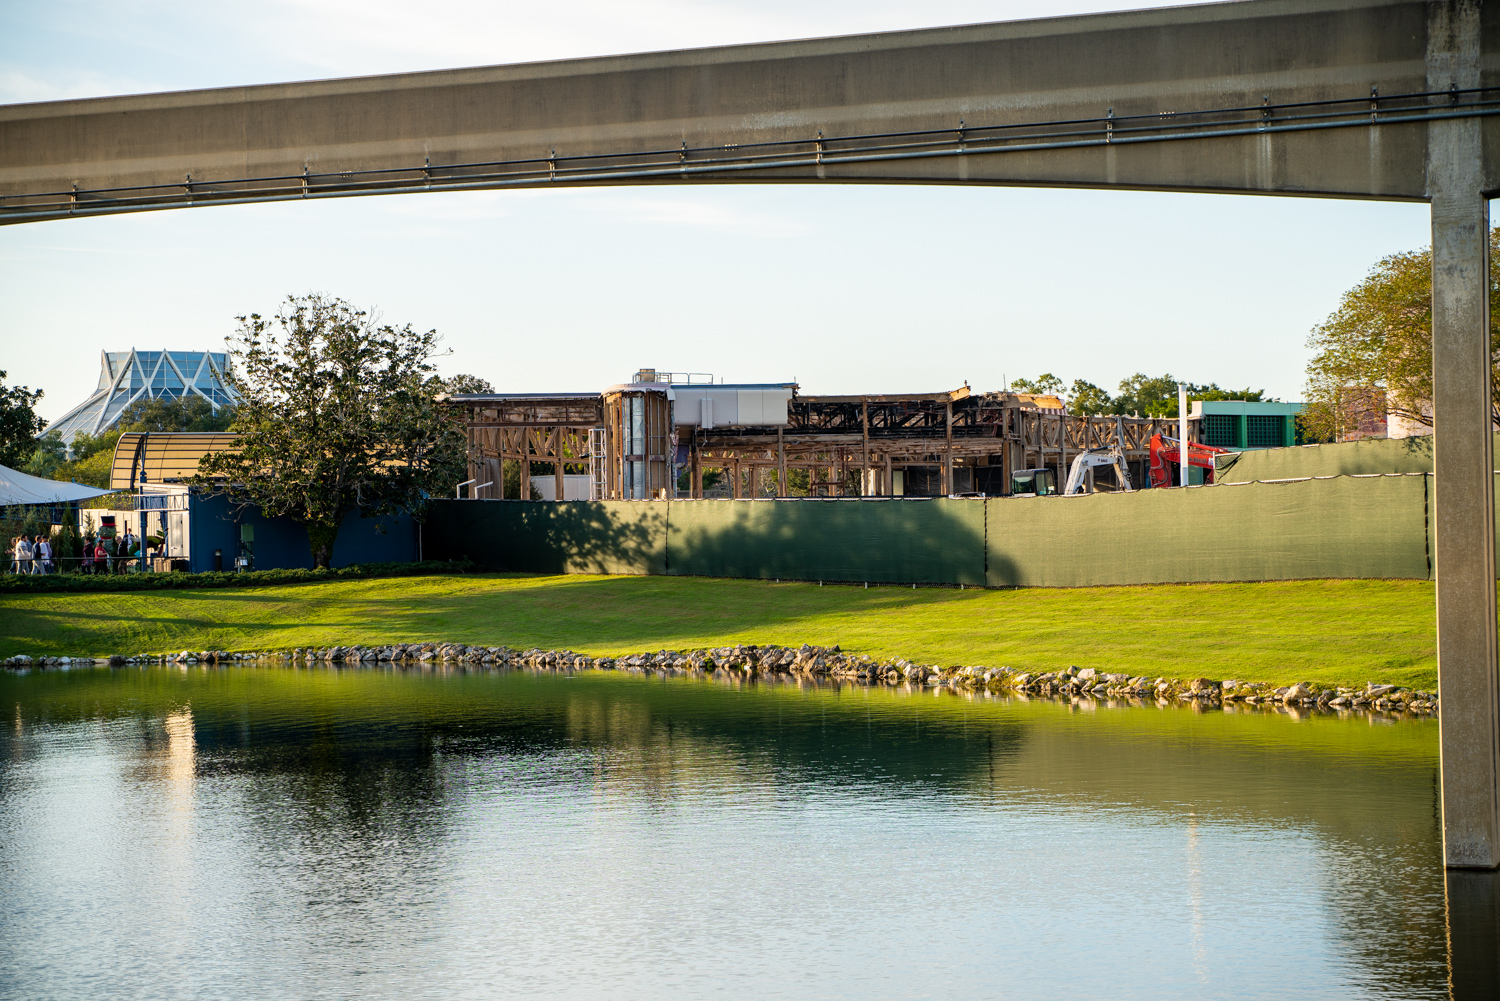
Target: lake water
pixel 271 832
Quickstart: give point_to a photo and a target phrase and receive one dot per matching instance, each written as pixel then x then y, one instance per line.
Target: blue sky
pixel 845 288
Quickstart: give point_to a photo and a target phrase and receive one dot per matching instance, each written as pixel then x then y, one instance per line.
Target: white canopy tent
pixel 22 488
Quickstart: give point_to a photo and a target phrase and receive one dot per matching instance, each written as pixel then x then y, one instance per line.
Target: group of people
pixel 33 554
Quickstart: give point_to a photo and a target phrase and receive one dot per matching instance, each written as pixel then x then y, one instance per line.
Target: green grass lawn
pixel 1334 631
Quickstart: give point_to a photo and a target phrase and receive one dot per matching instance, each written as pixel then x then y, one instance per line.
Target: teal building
pixel 1242 425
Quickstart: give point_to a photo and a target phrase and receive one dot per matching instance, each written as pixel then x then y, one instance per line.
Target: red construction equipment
pixel 1165 450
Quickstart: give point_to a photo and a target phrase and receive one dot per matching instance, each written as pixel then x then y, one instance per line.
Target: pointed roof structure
pixel 127 377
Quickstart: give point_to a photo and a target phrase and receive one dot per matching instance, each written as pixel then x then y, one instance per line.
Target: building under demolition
pixel 667 435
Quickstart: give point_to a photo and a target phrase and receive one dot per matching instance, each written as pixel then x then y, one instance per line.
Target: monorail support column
pixel 1463 481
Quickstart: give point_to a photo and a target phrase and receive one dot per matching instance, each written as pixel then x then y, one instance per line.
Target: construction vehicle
pixel 1165 450
pixel 1033 483
pixel 1111 455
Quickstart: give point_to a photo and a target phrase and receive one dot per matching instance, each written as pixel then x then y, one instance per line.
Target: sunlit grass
pixel 1323 631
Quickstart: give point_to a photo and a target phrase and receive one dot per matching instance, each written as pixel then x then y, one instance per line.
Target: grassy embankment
pixel 1329 632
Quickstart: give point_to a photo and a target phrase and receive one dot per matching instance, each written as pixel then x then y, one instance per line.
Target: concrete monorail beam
pixel 1219 97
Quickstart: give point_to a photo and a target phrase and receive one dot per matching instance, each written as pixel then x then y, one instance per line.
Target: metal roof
pixel 163 457
pixel 501 397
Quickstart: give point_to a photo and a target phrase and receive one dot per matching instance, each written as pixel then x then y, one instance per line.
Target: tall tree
pixel 1045 384
pixel 185 413
pixel 1087 398
pixel 19 423
pixel 337 414
pixel 464 384
pixel 1156 396
pixel 1375 350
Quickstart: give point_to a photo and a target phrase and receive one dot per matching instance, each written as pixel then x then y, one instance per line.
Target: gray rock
pixel 1296 693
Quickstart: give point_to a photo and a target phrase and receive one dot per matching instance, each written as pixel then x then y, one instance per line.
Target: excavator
pixel 1165 450
pixel 1043 482
pixel 1108 456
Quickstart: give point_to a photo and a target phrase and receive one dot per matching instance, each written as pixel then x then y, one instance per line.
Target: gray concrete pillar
pixel 1463 482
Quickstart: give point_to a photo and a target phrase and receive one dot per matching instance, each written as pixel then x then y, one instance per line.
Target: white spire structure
pixel 128 377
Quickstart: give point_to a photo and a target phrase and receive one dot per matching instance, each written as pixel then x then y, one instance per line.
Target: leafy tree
pixel 1087 398
pixel 186 413
pixel 1375 350
pixel 92 459
pixel 337 414
pixel 1213 392
pixel 1156 396
pixel 1045 384
pixel 86 445
pixel 463 384
pixel 19 423
pixel 1149 396
pixel 711 478
pixel 50 454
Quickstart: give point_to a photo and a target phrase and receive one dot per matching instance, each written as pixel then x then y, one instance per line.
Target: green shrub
pixel 35 584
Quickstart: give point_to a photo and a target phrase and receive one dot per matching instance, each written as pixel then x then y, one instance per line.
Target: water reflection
pixel 340 832
pixel 1473 905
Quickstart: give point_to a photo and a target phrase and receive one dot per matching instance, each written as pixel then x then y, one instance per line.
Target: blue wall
pixel 282 543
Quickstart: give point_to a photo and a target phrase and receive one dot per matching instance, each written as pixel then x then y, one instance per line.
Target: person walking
pixel 86 561
pixel 127 549
pixel 42 555
pixel 23 555
pixel 101 556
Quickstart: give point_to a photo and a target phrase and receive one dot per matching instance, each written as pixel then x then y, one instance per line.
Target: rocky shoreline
pixel 816 662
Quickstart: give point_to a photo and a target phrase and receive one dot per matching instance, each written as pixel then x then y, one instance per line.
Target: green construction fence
pixel 1350 526
pixel 1347 526
pixel 620 537
pixel 933 541
pixel 1351 458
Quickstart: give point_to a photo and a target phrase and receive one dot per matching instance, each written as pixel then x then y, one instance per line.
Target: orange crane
pixel 1165 450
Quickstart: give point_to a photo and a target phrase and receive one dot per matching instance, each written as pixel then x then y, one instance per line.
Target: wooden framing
pixel 551 428
pixel 947 433
pixel 847 445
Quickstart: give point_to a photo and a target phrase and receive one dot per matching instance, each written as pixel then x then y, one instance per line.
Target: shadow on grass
pixel 575 611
